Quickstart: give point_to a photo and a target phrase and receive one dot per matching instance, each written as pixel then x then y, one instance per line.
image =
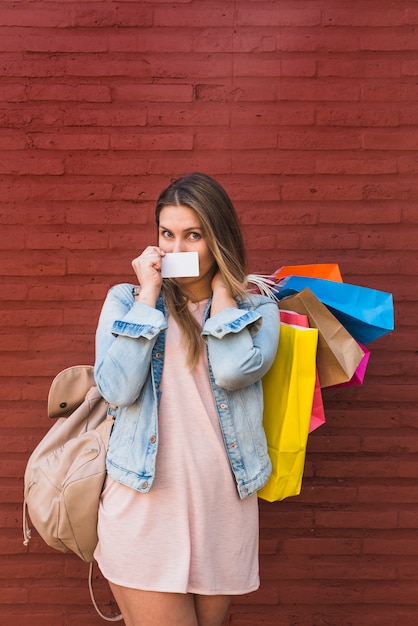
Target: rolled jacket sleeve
pixel 232 320
pixel 150 324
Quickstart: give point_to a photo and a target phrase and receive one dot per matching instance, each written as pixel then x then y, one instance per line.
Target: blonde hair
pixel 222 231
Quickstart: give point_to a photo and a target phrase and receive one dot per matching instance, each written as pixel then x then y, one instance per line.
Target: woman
pixel 182 359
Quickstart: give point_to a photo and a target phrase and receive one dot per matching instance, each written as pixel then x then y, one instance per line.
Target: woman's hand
pixel 147 268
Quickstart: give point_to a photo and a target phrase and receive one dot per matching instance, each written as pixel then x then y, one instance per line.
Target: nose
pixel 178 246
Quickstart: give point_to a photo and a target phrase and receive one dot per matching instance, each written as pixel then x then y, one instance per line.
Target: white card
pixel 180 264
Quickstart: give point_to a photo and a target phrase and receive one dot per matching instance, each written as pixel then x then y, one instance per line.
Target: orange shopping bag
pixel 330 271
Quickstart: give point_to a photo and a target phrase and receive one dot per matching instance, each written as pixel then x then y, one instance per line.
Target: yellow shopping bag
pixel 288 395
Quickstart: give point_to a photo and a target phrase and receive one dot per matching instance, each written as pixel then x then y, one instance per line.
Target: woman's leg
pixel 152 608
pixel 211 610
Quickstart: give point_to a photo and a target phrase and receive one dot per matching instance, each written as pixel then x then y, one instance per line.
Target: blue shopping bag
pixel 366 313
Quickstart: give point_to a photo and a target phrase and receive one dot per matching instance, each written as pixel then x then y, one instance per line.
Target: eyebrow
pixel 161 227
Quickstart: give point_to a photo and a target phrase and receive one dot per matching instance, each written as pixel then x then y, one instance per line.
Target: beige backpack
pixel 65 473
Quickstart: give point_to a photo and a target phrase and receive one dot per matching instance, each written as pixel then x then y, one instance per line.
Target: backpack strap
pixel 108 618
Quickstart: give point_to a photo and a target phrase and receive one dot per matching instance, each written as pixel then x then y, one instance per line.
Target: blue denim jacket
pixel 241 345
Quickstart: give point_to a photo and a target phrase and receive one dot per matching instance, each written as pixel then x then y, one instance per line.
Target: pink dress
pixel 191 533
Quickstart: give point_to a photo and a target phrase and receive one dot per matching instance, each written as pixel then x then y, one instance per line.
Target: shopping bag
pixel 318 412
pixel 338 354
pixel 358 377
pixel 330 271
pixel 366 313
pixel 288 392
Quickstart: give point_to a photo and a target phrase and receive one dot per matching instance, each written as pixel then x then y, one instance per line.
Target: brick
pixel 31 317
pixel 191 65
pixel 34 165
pixel 12 238
pixel 409 67
pixel 14 595
pixel 274 15
pixel 272 214
pixel 12 142
pixel 55 17
pixel 252 139
pixel 152 141
pixel 347 114
pixel 150 40
pixel 71 93
pixel 326 190
pixel 277 162
pixel 407 163
pixel 214 14
pixel 359 213
pixel 356 467
pixel 153 93
pixel 335 163
pixel 33 265
pixel 269 114
pixel 181 165
pixel 397 139
pixel 49 40
pixel 111 117
pixel 102 164
pixel 318 90
pixel 314 39
pixel 270 65
pixel 385 494
pixel 135 212
pixel 384 68
pixel 44 192
pixel 323 139
pixel 221 41
pixel 51 240
pixel 29 117
pixel 17 213
pixel 207 114
pixel 88 65
pixel 401 189
pixel 343 16
pixel 400 241
pixel 400 39
pixel 13 93
pixel 75 141
pixel 356 568
pixel 240 91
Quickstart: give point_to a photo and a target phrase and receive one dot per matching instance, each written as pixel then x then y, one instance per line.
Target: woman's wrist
pixel 221 299
pixel 145 296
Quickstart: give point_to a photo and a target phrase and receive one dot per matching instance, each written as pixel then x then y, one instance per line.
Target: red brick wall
pixel 307 112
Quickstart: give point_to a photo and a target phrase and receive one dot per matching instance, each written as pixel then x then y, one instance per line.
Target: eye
pixel 194 236
pixel 167 234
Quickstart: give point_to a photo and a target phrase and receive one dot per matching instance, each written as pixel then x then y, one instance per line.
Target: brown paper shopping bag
pixel 338 354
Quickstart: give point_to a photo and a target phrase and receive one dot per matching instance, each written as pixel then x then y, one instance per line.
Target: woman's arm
pixel 242 342
pixel 125 337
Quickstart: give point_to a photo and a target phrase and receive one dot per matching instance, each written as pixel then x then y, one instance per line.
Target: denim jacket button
pixel 218 330
pixel 153 439
pixel 144 485
pixel 222 405
pixel 232 445
pixel 158 355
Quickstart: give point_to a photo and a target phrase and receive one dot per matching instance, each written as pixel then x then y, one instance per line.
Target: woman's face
pixel 180 230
